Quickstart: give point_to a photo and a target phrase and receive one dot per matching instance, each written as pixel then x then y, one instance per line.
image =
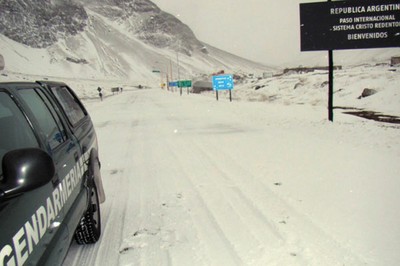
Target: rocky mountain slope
pixel 106 38
pixel 39 24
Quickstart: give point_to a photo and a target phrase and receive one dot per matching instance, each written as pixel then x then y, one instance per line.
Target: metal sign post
pixel 330 93
pixel 184 84
pixel 223 82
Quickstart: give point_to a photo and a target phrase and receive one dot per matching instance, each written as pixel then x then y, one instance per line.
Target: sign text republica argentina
pixel 363 9
pixel 350 25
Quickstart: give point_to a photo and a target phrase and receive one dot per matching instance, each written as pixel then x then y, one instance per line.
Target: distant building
pixel 308 69
pixel 202 85
pixel 395 61
pixel 267 75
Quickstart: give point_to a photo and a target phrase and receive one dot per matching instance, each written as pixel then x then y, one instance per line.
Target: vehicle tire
pixel 89 228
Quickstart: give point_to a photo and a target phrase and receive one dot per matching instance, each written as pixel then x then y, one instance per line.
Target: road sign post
pixel 184 84
pixel 330 84
pixel 223 82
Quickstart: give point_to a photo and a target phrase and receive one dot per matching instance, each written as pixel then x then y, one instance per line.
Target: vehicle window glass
pixel 48 120
pixel 70 104
pixel 15 132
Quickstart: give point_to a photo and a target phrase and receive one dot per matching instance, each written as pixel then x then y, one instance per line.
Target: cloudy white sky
pixel 266 31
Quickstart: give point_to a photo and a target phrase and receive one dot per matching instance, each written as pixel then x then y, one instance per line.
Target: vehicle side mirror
pixel 25 170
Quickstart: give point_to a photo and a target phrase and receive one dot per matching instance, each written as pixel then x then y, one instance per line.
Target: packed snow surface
pixel 194 181
pixel 263 180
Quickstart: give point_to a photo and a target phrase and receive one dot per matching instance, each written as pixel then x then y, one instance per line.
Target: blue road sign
pixel 173 84
pixel 222 82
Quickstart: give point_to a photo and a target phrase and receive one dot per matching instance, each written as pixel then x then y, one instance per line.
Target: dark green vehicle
pixel 50 183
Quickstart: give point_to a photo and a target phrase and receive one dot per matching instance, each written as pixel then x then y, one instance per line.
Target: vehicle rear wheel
pixel 89 228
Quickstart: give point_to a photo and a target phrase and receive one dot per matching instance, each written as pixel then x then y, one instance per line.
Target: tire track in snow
pixel 145 236
pixel 239 219
pixel 240 187
pixel 148 238
pixel 295 241
pixel 207 224
pixel 171 211
pixel 114 210
pixel 113 223
pixel 113 231
pixel 235 187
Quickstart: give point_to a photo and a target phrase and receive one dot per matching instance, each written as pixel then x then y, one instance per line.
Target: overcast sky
pixel 266 31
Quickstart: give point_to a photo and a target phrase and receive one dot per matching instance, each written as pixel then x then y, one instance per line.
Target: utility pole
pixel 177 61
pixel 170 65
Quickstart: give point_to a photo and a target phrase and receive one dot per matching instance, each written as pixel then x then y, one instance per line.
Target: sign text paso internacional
pixel 350 25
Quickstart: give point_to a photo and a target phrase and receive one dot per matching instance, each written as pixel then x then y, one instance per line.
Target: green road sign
pixel 184 83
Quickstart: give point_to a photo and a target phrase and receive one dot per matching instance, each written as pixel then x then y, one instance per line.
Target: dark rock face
pixel 77 60
pixel 40 24
pixel 150 24
pixel 164 30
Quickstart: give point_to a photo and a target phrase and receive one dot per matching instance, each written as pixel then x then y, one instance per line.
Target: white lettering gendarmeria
pixel 6 253
pixel 32 233
pixel 29 235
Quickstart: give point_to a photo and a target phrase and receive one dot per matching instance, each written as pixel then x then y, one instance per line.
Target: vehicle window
pixel 70 104
pixel 45 115
pixel 15 132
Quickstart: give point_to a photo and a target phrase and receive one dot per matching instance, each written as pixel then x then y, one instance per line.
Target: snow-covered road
pixel 193 181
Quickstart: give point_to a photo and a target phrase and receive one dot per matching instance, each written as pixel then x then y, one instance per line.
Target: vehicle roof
pixel 50 82
pixel 17 82
pixel 40 82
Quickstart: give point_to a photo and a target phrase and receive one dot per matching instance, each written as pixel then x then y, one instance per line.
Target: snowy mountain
pixel 118 39
pixel 39 24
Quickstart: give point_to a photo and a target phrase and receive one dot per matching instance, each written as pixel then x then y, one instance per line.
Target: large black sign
pixel 350 25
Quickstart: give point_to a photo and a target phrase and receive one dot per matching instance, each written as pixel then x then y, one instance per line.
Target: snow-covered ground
pixel 312 88
pixel 262 180
pixel 193 181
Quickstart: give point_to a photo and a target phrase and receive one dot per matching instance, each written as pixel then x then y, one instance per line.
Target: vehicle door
pixel 64 149
pixel 30 223
pixel 82 129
